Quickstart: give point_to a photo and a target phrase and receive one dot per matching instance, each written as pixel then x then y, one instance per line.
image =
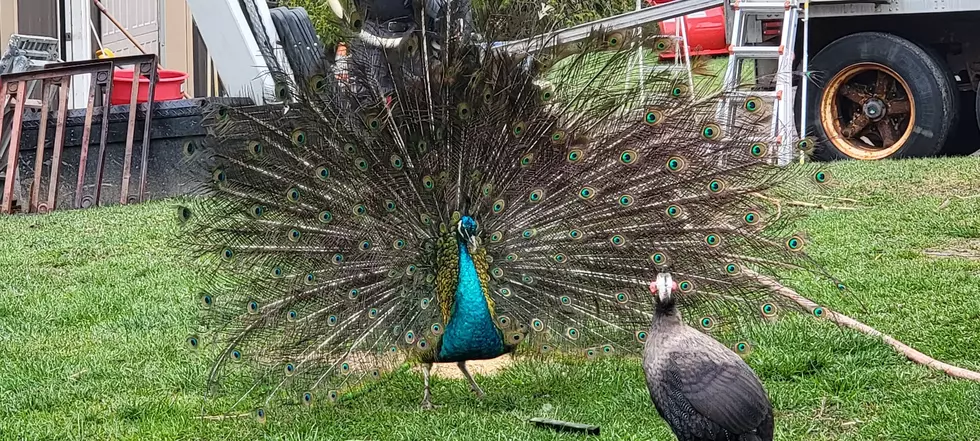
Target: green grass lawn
pixel 95 305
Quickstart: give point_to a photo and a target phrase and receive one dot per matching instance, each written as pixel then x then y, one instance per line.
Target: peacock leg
pixel 473 386
pixel 426 403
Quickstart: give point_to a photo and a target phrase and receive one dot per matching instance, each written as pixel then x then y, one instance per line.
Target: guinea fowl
pixel 701 388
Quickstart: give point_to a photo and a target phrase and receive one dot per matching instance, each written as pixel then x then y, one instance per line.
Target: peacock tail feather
pixel 330 223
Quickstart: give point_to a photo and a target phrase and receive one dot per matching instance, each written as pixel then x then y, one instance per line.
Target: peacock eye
pixel 518 129
pixel 498 205
pixel 536 195
pixel 628 157
pixel 653 117
pixel 711 131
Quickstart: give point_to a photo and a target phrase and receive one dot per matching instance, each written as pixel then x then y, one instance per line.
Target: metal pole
pixel 626 20
pixel 682 23
pixel 639 58
pixel 805 81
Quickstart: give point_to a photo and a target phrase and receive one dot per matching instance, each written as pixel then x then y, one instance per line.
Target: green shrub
pixel 572 13
pixel 322 17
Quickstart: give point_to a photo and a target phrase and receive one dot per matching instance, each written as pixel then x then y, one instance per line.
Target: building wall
pixel 182 49
pixel 176 43
pixel 8 20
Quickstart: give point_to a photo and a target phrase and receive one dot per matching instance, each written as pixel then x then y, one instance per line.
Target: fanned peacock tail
pixel 333 222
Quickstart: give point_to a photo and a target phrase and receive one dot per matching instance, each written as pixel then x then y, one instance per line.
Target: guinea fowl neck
pixel 666 313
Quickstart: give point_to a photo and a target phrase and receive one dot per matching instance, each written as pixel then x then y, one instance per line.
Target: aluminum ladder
pixel 782 127
pixel 680 43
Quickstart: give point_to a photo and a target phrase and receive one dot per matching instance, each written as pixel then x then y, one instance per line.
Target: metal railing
pixel 55 81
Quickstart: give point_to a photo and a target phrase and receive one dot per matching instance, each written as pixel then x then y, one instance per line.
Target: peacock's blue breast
pixel 470 333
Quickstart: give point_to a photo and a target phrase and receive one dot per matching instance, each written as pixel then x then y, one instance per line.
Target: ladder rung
pixel 738 95
pixel 762 52
pixel 759 7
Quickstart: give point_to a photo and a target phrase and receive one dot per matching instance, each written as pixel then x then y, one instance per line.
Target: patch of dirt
pixel 476 367
pixel 964 249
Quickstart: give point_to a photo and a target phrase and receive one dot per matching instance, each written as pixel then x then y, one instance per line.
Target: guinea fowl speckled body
pixel 704 390
pixel 484 202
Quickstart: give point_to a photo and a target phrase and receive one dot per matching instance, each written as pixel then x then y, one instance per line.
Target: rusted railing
pixel 57 78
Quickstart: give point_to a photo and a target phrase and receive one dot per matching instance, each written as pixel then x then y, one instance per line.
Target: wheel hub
pixel 867 111
pixel 874 108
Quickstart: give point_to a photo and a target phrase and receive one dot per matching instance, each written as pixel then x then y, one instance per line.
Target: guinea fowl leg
pixel 473 386
pixel 426 403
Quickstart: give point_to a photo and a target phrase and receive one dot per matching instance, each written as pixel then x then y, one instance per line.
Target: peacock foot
pixel 426 394
pixel 479 392
pixel 475 388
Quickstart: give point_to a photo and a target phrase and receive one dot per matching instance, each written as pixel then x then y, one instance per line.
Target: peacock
pixel 445 206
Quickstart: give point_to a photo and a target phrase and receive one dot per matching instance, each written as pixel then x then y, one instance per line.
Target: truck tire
pixel 955 94
pixel 977 94
pixel 876 95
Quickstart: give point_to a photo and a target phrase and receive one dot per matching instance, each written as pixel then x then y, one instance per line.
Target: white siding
pixel 140 18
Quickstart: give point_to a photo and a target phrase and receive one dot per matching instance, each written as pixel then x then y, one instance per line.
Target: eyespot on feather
pixel 282 91
pixel 463 111
pixel 676 163
pixel 184 214
pixel 614 40
pixel 653 117
pixel 518 129
pixel 806 145
pixel 711 132
pixel 752 104
pixel 758 149
pixel 317 84
pixel 298 137
pixel 679 91
pixel 822 177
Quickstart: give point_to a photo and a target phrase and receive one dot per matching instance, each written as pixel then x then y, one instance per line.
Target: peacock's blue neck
pixel 470 333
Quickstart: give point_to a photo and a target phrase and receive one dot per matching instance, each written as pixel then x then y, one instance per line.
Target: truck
pixel 872 79
pixel 886 78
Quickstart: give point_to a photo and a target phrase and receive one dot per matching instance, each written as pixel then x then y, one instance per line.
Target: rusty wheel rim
pixel 867 111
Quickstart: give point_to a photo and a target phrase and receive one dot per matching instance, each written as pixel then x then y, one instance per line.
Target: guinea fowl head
pixel 663 295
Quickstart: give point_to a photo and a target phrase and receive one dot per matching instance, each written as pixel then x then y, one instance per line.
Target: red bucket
pixel 168 86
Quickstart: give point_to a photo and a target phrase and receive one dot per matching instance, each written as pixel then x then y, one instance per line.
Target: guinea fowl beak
pixel 663 287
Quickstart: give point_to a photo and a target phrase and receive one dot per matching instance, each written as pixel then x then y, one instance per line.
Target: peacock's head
pixel 466 229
